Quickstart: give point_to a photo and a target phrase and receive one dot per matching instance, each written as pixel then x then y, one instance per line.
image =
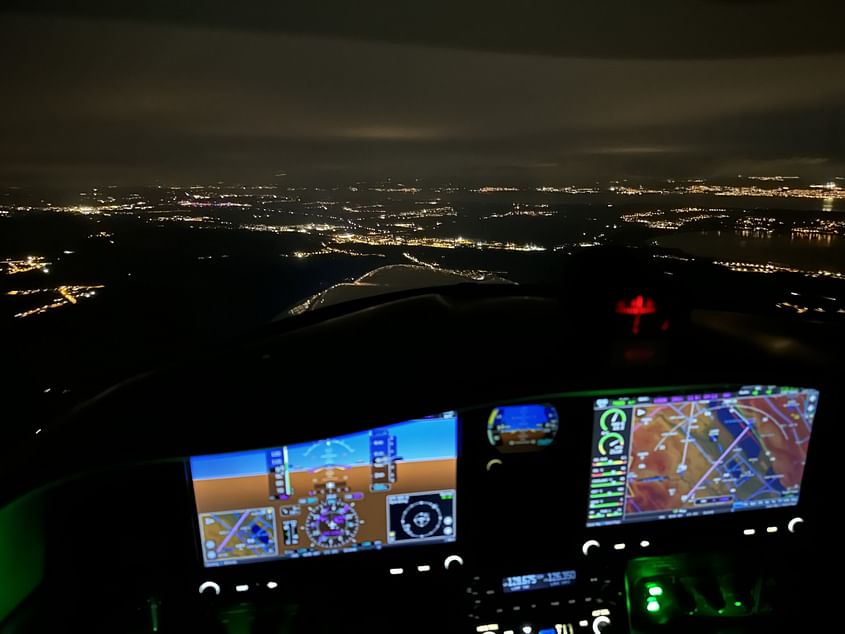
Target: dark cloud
pixel 609 29
pixel 93 101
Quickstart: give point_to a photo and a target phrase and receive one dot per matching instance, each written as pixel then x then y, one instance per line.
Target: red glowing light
pixel 636 308
pixel 639 355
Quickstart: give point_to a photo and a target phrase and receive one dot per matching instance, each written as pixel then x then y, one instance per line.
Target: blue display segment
pixel 422 439
pixel 520 428
pixel 542 581
pixel 229 465
pixel 523 416
pixel 343 494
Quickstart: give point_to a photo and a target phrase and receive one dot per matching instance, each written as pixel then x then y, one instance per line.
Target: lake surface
pixel 806 253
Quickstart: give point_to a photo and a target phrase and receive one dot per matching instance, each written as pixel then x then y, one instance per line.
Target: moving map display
pixel 656 458
pixel 385 487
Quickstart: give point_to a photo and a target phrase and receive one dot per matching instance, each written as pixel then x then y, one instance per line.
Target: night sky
pixel 96 101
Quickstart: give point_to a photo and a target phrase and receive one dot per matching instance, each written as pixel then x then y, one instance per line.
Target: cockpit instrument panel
pixel 665 457
pixel 384 487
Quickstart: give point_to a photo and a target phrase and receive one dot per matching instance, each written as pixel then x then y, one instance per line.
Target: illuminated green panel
pixel 645 390
pixel 620 392
pixel 21 552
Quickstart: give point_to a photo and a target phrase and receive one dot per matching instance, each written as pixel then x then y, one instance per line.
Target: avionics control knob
pixel 209 588
pixel 601 624
pixel 453 562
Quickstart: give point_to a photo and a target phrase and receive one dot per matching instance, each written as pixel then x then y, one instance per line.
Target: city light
pixel 410 221
pixel 673 219
pixel 25 265
pixel 754 267
pixel 537 211
pixel 65 296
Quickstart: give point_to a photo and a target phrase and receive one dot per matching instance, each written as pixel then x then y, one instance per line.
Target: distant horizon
pixel 285 182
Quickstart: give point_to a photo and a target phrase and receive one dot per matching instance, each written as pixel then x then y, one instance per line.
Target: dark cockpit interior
pixel 640 442
pixel 597 457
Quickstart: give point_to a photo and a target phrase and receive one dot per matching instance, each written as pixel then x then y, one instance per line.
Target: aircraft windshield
pixel 166 186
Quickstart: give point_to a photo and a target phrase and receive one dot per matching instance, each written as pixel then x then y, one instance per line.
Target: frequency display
pixel 657 458
pixel 385 487
pixel 543 581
